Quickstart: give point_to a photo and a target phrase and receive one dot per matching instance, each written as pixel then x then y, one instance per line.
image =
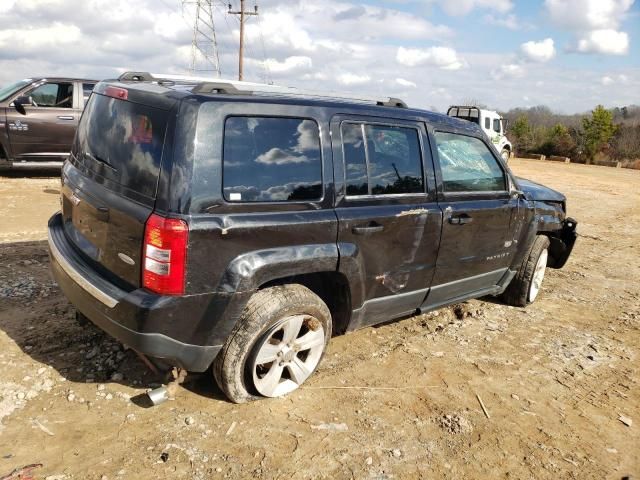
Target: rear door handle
pixel 369 229
pixel 65 117
pixel 461 219
pixel 102 214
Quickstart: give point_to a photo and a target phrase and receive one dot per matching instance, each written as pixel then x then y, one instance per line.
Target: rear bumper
pixel 139 319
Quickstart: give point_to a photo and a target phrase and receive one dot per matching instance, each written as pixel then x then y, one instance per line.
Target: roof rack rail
pixel 233 87
pixel 136 76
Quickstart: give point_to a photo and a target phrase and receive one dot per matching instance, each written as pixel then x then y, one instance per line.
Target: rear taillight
pixel 164 255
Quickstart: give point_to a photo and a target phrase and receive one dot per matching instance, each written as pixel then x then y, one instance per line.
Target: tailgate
pixel 110 182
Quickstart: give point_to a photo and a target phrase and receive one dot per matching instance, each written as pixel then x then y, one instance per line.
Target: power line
pixel 265 64
pixel 242 13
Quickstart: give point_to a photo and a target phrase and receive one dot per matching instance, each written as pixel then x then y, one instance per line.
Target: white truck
pixel 493 125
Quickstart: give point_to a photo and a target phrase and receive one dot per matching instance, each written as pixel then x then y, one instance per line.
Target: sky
pixel 567 54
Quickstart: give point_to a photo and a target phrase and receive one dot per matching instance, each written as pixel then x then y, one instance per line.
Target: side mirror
pixel 20 102
pixel 515 193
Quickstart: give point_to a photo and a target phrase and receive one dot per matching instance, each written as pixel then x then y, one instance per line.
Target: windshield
pixel 8 90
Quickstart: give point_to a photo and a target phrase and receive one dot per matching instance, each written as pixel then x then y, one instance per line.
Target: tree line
pixel 601 135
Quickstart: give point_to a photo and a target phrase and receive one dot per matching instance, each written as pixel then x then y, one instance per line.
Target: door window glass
pixel 271 160
pixel 467 164
pixel 395 165
pixel 381 159
pixel 87 88
pixel 355 159
pixel 487 123
pixel 58 95
pixel 496 125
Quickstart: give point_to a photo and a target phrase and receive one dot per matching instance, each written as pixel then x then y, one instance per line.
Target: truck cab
pixel 491 123
pixel 38 120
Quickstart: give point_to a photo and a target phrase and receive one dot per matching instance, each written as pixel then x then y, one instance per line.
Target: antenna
pixel 204 45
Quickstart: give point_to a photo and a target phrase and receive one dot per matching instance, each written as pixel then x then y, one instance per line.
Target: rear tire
pixel 276 345
pixel 525 286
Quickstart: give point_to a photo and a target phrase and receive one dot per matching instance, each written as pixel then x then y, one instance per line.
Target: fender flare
pixel 247 272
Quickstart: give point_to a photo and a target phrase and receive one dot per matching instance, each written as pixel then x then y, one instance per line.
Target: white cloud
pixel 442 57
pixel 509 21
pixel 595 23
pixel 277 156
pixel 406 83
pixel 169 25
pixel 587 14
pixel 609 80
pixel 463 7
pixel 41 37
pixel 508 70
pixel 542 51
pixel 293 63
pixel 609 42
pixel 353 79
pixel 606 80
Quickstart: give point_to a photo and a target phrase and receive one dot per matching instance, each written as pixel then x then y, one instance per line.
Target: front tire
pixel 277 344
pixel 525 286
pixel 505 154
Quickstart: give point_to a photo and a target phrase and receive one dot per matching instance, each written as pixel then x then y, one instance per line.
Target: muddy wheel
pixel 525 286
pixel 505 154
pixel 277 344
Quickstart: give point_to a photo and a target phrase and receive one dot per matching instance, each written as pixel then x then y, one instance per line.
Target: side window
pixel 496 125
pixel 58 95
pixel 271 160
pixel 467 164
pixel 487 123
pixel 381 159
pixel 355 159
pixel 395 164
pixel 87 88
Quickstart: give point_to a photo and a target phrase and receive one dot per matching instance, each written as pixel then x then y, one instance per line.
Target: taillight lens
pixel 165 255
pixel 117 92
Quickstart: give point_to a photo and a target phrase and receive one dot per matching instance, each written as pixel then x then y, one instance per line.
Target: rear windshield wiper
pixel 100 160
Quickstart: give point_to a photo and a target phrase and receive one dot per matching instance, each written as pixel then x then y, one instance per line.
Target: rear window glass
pixel 123 141
pixel 270 159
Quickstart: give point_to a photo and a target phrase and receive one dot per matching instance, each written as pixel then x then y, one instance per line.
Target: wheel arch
pixel 314 266
pixel 333 289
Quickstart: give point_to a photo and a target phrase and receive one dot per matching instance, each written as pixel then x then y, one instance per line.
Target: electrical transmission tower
pixel 204 46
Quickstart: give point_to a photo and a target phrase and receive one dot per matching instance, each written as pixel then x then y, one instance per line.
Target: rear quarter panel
pixel 238 246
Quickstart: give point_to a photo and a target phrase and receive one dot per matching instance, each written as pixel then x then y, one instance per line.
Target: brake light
pixel 164 255
pixel 117 92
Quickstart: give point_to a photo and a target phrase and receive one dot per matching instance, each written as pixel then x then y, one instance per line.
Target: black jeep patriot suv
pixel 242 225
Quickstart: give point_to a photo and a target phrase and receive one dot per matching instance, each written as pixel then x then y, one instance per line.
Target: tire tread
pixel 518 290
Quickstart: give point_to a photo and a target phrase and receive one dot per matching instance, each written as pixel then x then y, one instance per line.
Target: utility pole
pixel 242 12
pixel 204 45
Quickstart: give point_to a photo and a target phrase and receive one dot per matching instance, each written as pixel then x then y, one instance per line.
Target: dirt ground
pixel 559 379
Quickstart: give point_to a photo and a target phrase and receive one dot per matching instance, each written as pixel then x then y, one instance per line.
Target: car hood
pixel 536 191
